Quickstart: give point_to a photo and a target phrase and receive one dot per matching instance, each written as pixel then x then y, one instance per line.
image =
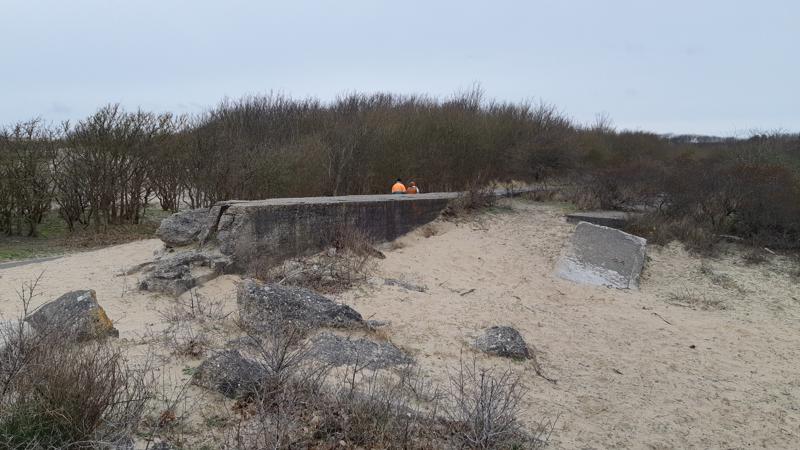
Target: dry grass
pixel 720 279
pixel 344 264
pixel 474 199
pixel 194 308
pixel 696 300
pixel 754 257
pixel 429 230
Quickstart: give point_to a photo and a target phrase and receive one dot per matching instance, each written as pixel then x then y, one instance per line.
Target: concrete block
pixel 289 227
pixel 602 256
pixel 613 219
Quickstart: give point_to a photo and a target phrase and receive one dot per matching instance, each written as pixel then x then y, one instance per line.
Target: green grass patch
pixel 56 239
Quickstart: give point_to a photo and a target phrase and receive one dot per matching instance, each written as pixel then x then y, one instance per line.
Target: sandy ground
pixel 635 369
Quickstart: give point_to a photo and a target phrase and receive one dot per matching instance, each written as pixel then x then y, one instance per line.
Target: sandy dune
pixel 633 369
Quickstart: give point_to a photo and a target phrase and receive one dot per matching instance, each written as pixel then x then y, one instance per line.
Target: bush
pixel 484 409
pixel 474 199
pixel 106 169
pixel 344 263
pixel 55 393
pixel 68 395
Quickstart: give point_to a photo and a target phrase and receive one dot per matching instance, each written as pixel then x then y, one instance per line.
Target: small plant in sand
pixel 695 300
pixel 720 279
pixel 194 308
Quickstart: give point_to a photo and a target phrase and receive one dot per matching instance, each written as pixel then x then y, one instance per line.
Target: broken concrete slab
pixel 602 256
pixel 75 315
pixel 343 351
pixel 183 228
pixel 613 219
pixel 183 271
pixel 230 373
pixel 264 306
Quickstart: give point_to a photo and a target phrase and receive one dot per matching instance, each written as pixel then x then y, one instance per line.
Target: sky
pixel 701 66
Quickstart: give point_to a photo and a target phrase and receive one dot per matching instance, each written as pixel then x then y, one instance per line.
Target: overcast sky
pixel 713 67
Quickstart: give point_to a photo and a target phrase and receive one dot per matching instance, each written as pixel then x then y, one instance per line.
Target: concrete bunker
pixel 240 232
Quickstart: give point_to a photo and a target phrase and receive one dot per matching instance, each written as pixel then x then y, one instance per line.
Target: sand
pixel 635 369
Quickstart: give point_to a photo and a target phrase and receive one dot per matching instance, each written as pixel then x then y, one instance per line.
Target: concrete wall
pixel 276 229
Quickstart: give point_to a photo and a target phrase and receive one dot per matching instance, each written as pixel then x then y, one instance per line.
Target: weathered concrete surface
pixel 602 256
pixel 276 229
pixel 178 273
pixel 340 351
pixel 280 228
pixel 613 219
pixel 230 373
pixel 182 228
pixel 76 314
pixel 264 306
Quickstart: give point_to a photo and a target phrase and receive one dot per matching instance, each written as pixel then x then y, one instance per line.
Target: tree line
pixel 108 168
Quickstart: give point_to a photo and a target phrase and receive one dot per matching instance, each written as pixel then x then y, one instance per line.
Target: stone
pixel 180 272
pixel 602 256
pixel 503 341
pixel 612 219
pixel 262 306
pixel 231 374
pixel 340 351
pixel 76 314
pixel 183 228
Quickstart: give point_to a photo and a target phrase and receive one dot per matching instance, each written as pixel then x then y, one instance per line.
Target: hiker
pixel 399 187
pixel 412 188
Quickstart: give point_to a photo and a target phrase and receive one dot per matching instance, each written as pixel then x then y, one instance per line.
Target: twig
pixel 660 317
pixel 538 369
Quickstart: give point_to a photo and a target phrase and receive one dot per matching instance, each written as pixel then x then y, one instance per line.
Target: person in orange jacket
pixel 399 187
pixel 412 188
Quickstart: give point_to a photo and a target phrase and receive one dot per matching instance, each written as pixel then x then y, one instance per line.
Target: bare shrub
pixel 55 393
pixel 304 403
pixel 344 264
pixel 379 409
pixel 293 382
pixel 185 340
pixel 69 394
pixel 661 229
pixel 194 308
pixel 476 198
pixel 484 409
